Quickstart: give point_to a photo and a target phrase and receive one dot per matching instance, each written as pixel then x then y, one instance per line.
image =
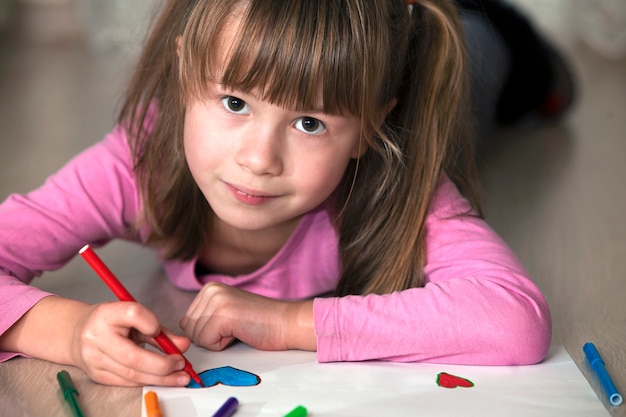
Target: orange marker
pixel 152 404
pixel 122 293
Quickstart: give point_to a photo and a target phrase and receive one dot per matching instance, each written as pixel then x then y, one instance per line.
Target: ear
pixel 361 146
pixel 386 109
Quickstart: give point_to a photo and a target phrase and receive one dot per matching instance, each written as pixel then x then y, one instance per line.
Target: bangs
pixel 298 54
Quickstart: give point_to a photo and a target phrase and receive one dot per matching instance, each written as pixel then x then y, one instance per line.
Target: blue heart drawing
pixel 226 375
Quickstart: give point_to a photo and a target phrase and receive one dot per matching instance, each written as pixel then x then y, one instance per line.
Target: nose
pixel 261 151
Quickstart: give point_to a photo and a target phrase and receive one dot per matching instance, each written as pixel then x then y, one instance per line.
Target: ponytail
pixel 382 239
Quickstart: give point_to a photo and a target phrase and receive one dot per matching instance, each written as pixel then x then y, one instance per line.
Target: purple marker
pixel 228 409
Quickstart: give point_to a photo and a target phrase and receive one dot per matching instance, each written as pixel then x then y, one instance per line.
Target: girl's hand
pixel 220 314
pixel 106 345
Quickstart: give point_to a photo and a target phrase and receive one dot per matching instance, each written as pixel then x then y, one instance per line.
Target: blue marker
pixel 597 365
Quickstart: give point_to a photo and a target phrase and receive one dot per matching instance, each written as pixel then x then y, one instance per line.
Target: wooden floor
pixel 556 193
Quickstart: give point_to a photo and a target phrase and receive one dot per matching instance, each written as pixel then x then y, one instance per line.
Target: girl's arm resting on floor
pixel 478 306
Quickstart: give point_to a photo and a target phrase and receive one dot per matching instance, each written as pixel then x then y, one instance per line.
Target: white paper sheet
pixel 556 387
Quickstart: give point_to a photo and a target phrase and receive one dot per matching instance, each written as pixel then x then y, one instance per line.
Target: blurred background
pixel 556 192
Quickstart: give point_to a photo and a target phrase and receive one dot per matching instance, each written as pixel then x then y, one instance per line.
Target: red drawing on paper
pixel 452 381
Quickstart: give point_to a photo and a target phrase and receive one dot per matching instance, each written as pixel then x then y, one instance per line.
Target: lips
pixel 248 196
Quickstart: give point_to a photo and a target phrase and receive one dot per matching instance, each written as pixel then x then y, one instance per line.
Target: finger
pixel 221 344
pixel 201 302
pixel 137 365
pixel 113 373
pixel 202 323
pixel 182 342
pixel 129 354
pixel 143 325
pixel 130 364
pixel 209 332
pixel 119 377
pixel 193 321
pixel 193 311
pixel 130 315
pixel 202 327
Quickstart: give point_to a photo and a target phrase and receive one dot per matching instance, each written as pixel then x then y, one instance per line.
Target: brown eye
pixel 310 125
pixel 235 105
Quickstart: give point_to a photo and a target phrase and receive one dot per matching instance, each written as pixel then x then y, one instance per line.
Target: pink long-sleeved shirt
pixel 478 305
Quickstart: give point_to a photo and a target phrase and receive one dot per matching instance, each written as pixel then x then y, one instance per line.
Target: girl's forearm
pixel 46 331
pixel 301 328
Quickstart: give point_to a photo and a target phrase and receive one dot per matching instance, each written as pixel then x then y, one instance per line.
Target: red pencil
pixel 122 293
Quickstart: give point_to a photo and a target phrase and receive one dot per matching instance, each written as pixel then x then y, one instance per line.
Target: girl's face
pixel 260 165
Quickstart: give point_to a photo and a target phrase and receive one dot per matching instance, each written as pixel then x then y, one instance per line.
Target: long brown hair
pixel 366 56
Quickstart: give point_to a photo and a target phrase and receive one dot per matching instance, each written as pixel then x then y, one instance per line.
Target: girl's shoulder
pixel 448 200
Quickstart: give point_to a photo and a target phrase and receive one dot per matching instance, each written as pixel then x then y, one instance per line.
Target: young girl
pixel 306 168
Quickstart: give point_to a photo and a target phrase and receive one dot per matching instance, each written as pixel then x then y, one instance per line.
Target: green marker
pixel 299 411
pixel 70 393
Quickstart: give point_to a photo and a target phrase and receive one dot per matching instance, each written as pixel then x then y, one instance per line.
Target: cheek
pixel 321 175
pixel 203 157
pixel 193 149
pixel 331 166
pixel 200 142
